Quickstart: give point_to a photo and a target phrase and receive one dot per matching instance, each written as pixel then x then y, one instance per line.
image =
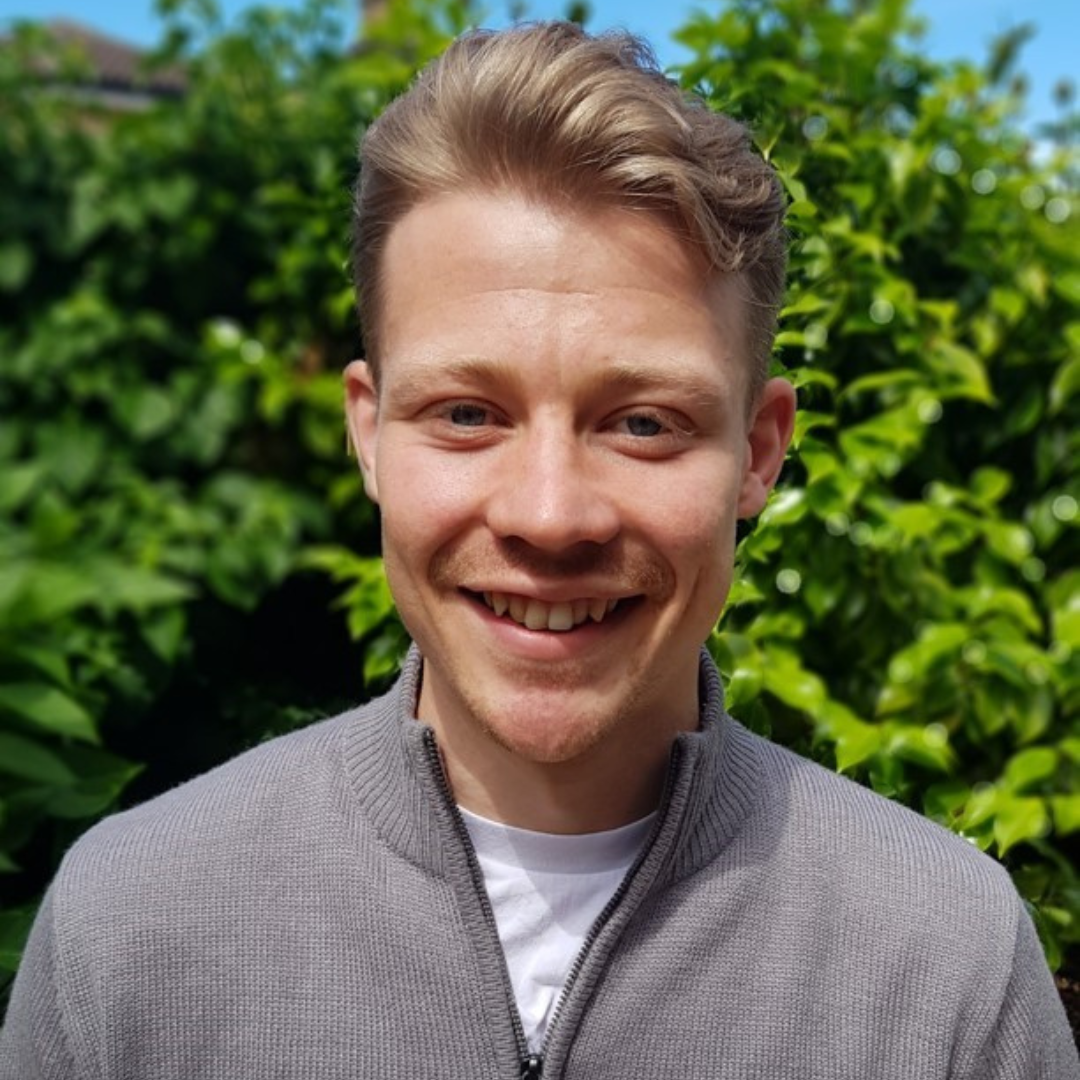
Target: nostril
pixel 539 521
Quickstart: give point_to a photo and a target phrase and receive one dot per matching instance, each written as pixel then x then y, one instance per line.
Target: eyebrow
pixel 626 375
pixel 619 375
pixel 416 381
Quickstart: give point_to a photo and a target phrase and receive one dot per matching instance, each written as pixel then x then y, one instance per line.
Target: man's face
pixel 560 448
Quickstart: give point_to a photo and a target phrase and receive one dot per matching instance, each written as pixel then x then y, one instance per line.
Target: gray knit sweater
pixel 311 911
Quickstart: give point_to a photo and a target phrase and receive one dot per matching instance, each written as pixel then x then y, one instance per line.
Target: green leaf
pixel 985 601
pixel 787 505
pixel 90 796
pixel 743 687
pixel 99 778
pixel 123 586
pixel 981 807
pixel 854 740
pixel 922 744
pixel 16 262
pixel 1009 304
pixel 900 379
pixel 1068 286
pixel 30 761
pixel 1067 627
pixel 808 303
pixel 18 483
pixel 15 924
pixel 743 591
pixel 990 485
pixel 384 653
pixel 811 376
pixel 963 373
pixel 46 658
pixel 1066 810
pixel 170 198
pixel 40 592
pixel 164 632
pixel 1065 385
pixel 147 411
pixel 1019 819
pixel 1011 542
pixel 945 801
pixel 1029 768
pixel 807 421
pixel 938 643
pixel 785 678
pixel 367 601
pixel 917 521
pixel 48 709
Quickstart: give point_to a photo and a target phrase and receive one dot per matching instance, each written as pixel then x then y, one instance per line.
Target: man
pixel 548 851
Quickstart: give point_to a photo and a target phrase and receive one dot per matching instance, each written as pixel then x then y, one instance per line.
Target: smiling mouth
pixel 559 617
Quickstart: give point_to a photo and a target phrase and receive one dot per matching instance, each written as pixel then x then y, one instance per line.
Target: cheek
pixel 422 496
pixel 704 544
pixel 693 517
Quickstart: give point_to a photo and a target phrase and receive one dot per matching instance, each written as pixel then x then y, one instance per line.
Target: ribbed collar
pixel 396 778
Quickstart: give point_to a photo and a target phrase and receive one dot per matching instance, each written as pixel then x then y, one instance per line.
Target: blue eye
pixel 466 415
pixel 643 426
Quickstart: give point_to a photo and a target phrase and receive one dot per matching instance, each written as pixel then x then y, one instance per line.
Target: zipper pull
pixel 532 1067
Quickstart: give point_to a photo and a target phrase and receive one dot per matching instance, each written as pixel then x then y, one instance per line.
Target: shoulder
pixel 256 807
pixel 864 849
pixel 840 886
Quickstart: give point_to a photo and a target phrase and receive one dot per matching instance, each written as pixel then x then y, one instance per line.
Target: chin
pixel 544 732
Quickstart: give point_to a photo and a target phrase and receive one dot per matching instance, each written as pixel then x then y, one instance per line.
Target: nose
pixel 552 495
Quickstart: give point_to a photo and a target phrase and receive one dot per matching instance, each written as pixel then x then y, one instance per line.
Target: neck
pixel 609 785
pixel 566 798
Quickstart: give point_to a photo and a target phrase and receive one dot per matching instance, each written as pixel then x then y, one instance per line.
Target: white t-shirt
pixel 546 892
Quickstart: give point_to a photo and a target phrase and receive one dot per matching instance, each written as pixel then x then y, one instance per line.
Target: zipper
pixel 615 901
pixel 531 1065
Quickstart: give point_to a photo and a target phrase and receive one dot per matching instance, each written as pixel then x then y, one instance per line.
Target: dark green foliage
pixel 176 510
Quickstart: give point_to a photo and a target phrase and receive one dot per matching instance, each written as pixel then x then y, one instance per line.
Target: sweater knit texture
pixel 311 911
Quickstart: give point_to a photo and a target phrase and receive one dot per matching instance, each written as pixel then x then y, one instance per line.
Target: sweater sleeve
pixel 1031 1039
pixel 33 1040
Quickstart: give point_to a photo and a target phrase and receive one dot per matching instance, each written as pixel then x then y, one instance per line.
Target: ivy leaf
pixel 1029 768
pixel 1018 820
pixel 1066 810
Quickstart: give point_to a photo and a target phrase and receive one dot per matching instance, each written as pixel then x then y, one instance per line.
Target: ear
pixel 771 425
pixel 361 419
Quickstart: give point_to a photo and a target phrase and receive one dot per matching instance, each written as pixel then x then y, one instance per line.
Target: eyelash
pixel 669 427
pixel 472 406
pixel 661 422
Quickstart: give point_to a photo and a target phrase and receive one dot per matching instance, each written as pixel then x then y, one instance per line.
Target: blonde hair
pixel 574 120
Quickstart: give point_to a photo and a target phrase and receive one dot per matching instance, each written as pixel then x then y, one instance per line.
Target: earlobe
pixel 361 418
pixel 768 436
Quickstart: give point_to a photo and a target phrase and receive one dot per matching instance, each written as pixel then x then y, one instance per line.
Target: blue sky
pixel 958 28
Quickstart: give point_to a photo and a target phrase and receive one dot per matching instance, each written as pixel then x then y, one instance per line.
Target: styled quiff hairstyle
pixel 577 121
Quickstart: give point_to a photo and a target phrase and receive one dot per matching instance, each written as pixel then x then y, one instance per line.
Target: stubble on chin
pixel 549 712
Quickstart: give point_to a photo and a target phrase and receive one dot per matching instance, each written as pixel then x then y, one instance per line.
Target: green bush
pixel 175 501
pixel 909 606
pixel 175 312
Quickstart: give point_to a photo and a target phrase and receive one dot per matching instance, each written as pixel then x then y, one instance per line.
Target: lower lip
pixel 550 644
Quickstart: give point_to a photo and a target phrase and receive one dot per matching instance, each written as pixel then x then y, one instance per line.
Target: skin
pixel 561 414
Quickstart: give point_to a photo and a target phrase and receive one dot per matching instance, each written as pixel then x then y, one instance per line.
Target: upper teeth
pixel 536 615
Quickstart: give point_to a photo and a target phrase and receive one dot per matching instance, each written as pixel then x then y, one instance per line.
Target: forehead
pixel 471 266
